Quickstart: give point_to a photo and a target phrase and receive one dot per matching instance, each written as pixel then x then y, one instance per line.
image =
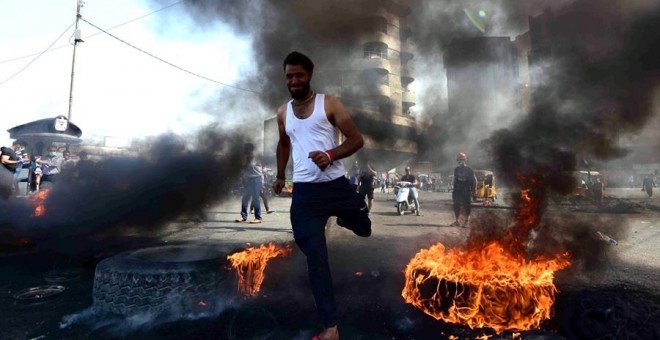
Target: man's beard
pixel 302 94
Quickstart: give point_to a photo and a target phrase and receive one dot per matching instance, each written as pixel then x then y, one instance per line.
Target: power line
pixel 97 33
pixel 169 63
pixel 37 57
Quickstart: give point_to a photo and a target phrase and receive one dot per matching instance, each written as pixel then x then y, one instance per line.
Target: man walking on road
pixel 648 184
pixel 465 186
pixel 307 126
pixel 366 189
pixel 252 184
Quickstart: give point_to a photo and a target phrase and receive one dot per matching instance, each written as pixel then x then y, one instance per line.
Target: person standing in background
pixel 366 190
pixel 465 186
pixel 10 161
pixel 252 184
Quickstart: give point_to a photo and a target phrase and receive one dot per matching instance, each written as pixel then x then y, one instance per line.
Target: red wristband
pixel 330 154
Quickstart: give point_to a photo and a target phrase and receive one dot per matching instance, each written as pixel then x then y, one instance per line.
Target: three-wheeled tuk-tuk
pixel 486 188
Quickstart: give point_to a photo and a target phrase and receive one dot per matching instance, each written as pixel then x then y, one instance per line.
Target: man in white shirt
pixel 307 126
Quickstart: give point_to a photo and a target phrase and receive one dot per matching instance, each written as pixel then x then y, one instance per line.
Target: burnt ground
pixel 614 296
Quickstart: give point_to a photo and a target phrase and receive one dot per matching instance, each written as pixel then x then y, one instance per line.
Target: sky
pixel 118 91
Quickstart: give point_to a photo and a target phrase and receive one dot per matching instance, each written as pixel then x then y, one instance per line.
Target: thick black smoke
pixel 88 207
pixel 436 24
pixel 589 92
pixel 593 92
pixel 591 89
pixel 324 30
pixel 328 32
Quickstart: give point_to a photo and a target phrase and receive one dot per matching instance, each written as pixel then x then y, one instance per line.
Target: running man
pixel 307 126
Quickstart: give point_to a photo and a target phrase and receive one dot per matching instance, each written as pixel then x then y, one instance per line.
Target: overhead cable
pixel 97 33
pixel 37 57
pixel 169 63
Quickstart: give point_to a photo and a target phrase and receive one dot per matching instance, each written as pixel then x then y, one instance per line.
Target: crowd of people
pixel 35 170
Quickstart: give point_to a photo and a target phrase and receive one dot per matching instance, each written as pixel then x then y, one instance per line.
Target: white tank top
pixel 314 133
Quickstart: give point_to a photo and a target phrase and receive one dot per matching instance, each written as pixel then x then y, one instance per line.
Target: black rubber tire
pixel 400 209
pixel 161 279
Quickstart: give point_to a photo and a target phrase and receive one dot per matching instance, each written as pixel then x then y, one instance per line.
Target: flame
pixel 38 200
pixel 251 263
pixel 488 285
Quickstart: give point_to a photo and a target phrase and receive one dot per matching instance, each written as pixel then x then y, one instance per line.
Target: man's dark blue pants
pixel 311 206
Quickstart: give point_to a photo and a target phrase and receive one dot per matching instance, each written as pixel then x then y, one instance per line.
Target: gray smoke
pixel 323 30
pixel 587 93
pixel 327 31
pixel 143 194
pixel 589 96
pixel 436 25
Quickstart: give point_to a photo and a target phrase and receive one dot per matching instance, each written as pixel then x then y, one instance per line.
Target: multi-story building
pixel 374 85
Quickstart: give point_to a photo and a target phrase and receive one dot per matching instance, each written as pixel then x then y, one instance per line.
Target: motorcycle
pixel 404 198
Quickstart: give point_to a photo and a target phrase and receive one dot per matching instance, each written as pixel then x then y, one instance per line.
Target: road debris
pixel 607 238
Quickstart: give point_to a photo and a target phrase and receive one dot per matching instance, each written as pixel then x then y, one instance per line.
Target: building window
pixel 375 50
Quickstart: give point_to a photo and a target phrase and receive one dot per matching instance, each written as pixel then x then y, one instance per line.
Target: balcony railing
pixel 382 38
pixel 375 62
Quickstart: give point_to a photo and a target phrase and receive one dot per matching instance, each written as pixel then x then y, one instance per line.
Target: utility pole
pixel 76 39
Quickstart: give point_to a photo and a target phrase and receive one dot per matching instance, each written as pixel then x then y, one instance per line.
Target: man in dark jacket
pixel 648 184
pixel 465 185
pixel 10 161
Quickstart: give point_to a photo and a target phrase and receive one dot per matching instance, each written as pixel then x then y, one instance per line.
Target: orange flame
pixel 251 263
pixel 38 200
pixel 488 285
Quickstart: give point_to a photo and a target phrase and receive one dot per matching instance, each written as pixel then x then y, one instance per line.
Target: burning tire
pixel 173 279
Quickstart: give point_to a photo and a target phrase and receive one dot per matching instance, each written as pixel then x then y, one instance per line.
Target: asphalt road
pixel 362 268
pixel 634 260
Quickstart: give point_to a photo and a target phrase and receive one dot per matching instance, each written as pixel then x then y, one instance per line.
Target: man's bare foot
pixel 331 333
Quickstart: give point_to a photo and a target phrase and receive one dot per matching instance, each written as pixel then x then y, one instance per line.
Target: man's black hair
pixel 297 58
pixel 19 142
